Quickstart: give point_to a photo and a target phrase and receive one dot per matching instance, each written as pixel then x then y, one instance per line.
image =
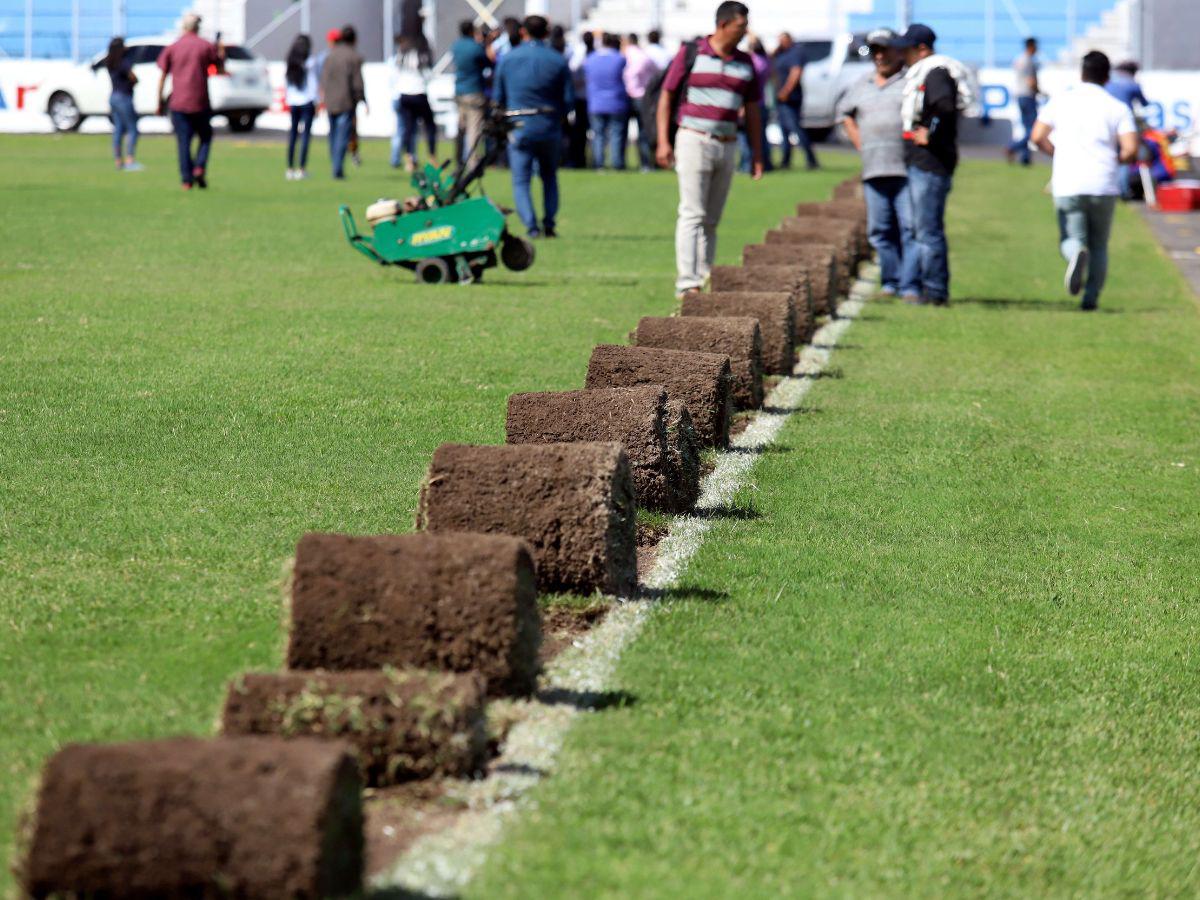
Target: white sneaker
pixel 291 175
pixel 301 174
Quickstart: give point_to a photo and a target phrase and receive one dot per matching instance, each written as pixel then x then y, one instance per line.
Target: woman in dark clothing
pixel 301 97
pixel 120 104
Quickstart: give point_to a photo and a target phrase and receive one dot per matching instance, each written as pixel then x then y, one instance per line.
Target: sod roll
pixel 403 724
pixel 774 311
pixel 850 189
pixel 843 250
pixel 573 503
pixel 819 260
pixel 450 602
pixel 248 817
pixel 701 380
pixel 683 445
pixel 771 279
pixel 635 417
pixel 852 211
pixel 738 338
pixel 848 234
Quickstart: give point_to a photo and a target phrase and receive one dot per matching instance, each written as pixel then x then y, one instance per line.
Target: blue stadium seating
pixel 962 30
pixel 52 25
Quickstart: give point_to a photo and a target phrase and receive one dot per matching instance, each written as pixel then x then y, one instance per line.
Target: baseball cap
pixel 915 35
pixel 333 35
pixel 881 37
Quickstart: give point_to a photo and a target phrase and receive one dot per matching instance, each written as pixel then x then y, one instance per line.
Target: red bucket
pixel 1179 196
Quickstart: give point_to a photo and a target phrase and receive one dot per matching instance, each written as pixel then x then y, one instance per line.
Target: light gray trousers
pixel 705 169
pixel 1085 220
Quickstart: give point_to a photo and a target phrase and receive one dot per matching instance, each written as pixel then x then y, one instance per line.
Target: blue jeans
pixel 1028 108
pixel 411 110
pixel 890 230
pixel 1086 221
pixel 125 125
pixel 609 130
pixel 188 126
pixel 790 124
pixel 522 157
pixel 745 157
pixel 339 140
pixel 302 119
pixel 929 191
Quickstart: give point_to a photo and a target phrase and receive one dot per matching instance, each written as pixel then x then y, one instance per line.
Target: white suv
pixel 240 94
pixel 832 66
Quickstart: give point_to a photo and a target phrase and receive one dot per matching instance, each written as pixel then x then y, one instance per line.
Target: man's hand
pixel 756 170
pixel 920 136
pixel 664 155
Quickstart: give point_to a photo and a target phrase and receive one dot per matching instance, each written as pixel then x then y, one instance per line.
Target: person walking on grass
pixel 120 102
pixel 410 99
pixel 787 76
pixel 936 88
pixel 608 104
pixel 713 82
pixel 1089 133
pixel 470 64
pixel 187 61
pixel 342 91
pixel 535 78
pixel 640 70
pixel 301 95
pixel 870 114
pixel 1026 90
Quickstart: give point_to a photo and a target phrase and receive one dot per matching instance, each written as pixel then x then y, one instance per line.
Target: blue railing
pixel 55 33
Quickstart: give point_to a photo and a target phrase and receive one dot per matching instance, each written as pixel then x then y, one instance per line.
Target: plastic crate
pixel 1179 196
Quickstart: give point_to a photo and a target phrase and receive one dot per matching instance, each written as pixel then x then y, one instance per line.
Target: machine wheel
pixel 516 253
pixel 241 121
pixel 433 270
pixel 64 112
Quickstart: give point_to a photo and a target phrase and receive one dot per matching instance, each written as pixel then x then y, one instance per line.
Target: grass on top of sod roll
pixel 955 653
pixel 191 381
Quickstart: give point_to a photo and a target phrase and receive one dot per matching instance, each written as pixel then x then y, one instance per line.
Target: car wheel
pixel 64 112
pixel 433 270
pixel 242 122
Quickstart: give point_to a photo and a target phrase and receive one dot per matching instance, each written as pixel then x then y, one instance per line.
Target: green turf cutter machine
pixel 445 234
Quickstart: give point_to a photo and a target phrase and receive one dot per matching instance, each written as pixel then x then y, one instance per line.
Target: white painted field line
pixel 442 864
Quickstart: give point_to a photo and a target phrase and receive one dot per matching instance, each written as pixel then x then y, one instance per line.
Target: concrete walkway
pixel 1179 234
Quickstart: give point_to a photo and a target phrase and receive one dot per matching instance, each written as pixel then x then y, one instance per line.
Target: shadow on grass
pixel 1062 306
pixel 837 346
pixel 720 513
pixel 762 451
pixel 553 696
pixel 682 592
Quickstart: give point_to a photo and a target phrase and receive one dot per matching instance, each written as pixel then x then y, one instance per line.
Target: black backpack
pixel 654 91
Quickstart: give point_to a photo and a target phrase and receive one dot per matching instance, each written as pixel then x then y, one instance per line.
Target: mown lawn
pixel 956 654
pixel 190 382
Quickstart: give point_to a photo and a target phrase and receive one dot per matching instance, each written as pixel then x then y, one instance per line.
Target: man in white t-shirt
pixel 1093 135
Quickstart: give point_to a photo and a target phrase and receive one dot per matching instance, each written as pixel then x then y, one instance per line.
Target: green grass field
pixel 952 654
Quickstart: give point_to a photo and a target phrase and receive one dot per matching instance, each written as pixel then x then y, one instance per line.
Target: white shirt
pixel 408 76
pixel 1085 121
pixel 661 55
pixel 298 96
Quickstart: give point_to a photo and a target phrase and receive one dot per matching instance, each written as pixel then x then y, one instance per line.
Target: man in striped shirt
pixel 720 84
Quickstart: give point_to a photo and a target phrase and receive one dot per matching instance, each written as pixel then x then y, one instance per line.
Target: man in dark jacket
pixel 341 92
pixel 534 77
pixel 930 155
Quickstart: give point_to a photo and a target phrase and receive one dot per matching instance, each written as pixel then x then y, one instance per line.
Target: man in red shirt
pixel 187 61
pixel 719 84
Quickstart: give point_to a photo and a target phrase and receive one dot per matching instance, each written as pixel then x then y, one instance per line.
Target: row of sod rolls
pixel 396 643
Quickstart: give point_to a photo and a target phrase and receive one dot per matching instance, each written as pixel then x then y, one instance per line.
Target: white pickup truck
pixel 833 65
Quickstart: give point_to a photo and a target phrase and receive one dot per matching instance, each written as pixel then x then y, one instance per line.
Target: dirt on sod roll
pixel 404 724
pixel 703 381
pixel 775 312
pixel 573 503
pixel 250 817
pixel 845 232
pixel 850 189
pixel 772 279
pixel 738 338
pixel 853 211
pixel 448 602
pixel 843 251
pixel 683 444
pixel 635 417
pixel 818 259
